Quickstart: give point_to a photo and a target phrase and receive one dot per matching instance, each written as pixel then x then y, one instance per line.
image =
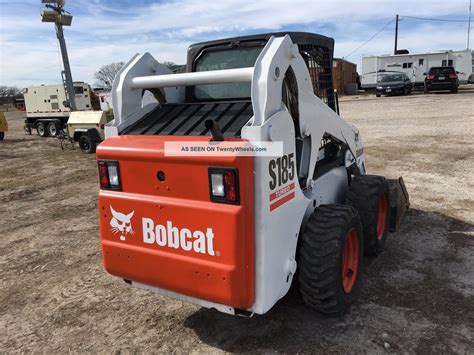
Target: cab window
pixel 240 57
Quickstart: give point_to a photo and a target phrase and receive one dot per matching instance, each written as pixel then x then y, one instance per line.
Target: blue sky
pixel 105 31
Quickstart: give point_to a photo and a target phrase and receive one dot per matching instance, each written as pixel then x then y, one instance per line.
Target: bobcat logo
pixel 121 223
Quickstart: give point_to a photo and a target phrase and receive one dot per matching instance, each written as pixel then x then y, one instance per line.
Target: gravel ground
pixel 55 295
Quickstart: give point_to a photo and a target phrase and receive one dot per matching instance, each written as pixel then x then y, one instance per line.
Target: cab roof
pixel 299 38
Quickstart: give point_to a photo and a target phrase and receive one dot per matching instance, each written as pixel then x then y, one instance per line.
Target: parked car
pixel 441 78
pixel 394 84
pixel 470 80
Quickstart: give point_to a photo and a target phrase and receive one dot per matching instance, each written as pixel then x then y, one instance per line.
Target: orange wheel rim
pixel 350 260
pixel 381 215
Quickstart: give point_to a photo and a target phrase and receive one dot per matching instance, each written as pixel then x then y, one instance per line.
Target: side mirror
pixel 424 73
pixel 458 72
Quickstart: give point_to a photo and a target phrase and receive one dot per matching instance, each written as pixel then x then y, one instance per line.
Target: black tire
pixel 41 129
pixel 86 144
pixel 321 258
pixel 53 129
pixel 370 196
pixel 2 135
pixel 377 95
pixel 454 90
pixel 425 90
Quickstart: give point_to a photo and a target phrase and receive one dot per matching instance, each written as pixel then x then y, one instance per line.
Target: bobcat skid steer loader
pixel 230 232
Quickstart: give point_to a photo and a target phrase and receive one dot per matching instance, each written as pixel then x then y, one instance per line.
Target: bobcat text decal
pixel 176 238
pixel 165 235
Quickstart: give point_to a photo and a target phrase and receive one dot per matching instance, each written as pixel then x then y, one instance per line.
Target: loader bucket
pixel 399 202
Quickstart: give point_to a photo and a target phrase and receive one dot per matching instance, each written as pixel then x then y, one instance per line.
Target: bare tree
pixel 169 64
pixel 175 68
pixel 9 91
pixel 106 74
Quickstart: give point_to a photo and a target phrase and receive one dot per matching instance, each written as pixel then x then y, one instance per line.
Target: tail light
pixel 109 175
pixel 224 185
pixel 453 76
pixel 430 76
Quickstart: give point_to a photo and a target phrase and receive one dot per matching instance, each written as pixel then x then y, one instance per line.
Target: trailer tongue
pixel 229 231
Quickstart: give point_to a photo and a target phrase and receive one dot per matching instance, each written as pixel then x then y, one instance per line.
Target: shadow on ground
pixel 411 280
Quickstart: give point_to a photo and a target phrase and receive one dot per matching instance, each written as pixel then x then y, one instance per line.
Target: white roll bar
pixel 195 78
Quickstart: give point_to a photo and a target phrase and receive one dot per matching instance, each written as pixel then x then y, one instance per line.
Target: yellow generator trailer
pixel 87 128
pixel 3 125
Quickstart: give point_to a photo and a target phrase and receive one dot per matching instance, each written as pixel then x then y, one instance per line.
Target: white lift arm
pixel 197 78
pixel 266 77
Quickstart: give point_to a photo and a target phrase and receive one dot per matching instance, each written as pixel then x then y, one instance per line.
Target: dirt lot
pixel 55 295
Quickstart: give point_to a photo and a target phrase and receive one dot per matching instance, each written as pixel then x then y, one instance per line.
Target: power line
pixel 401 18
pixel 432 19
pixel 371 38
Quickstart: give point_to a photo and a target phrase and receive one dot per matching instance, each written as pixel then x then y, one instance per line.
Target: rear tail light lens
pixel 453 76
pixel 109 175
pixel 430 76
pixel 230 186
pixel 103 175
pixel 224 185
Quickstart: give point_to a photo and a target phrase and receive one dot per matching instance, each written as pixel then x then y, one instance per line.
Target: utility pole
pixel 469 26
pixel 61 17
pixel 396 35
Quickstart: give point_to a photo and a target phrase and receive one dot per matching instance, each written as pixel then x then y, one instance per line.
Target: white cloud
pixel 103 33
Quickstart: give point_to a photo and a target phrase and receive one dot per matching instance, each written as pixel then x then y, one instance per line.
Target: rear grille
pixel 319 62
pixel 187 119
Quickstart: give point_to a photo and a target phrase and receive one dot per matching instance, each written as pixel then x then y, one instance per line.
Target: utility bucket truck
pixel 231 232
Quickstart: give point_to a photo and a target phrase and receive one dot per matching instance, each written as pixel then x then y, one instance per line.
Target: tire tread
pixel 319 259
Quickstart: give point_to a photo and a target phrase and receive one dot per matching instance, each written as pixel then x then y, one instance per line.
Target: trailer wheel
pixel 86 144
pixel 369 195
pixel 330 259
pixel 52 129
pixel 2 135
pixel 41 129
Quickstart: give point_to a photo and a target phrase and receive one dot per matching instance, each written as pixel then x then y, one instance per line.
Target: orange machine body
pixel 174 237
